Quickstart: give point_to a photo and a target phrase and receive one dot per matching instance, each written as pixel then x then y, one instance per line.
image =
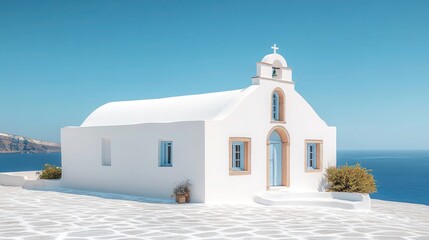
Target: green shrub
pixel 350 179
pixel 50 172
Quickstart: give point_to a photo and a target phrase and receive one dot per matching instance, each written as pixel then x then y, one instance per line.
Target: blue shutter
pixel 234 152
pixel 314 156
pixel 274 107
pixel 308 155
pixel 277 106
pixel 241 156
pixel 161 151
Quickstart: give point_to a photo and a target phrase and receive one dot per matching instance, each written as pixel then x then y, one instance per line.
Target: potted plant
pixel 182 192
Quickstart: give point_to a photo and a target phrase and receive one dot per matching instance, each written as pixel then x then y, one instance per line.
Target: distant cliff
pixel 18 144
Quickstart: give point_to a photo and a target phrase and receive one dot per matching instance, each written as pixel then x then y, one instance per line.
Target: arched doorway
pixel 278 157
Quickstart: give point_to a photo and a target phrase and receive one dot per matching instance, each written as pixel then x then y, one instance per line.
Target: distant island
pixel 18 144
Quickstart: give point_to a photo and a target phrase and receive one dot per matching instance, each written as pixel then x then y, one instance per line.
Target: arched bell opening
pixel 277 70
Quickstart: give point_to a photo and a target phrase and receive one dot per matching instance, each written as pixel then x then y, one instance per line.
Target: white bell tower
pixel 273 67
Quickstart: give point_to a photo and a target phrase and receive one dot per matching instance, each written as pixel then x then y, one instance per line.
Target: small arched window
pixel 277 108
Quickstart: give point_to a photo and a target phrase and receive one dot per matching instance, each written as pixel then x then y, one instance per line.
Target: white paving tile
pixel 67 214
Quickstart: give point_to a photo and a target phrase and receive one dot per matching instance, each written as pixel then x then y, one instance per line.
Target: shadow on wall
pixel 323 184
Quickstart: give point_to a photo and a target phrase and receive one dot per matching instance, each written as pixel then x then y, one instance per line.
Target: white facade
pixel 203 130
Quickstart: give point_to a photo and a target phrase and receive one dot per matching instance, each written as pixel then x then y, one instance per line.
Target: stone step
pixel 356 201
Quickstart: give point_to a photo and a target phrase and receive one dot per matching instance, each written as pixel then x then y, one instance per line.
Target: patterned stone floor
pixel 27 214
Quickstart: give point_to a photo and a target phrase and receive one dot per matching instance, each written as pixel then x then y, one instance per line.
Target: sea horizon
pixel 400 175
pixel 358 149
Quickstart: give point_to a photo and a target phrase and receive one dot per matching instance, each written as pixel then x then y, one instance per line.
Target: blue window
pixel 166 154
pixel 312 155
pixel 276 106
pixel 238 156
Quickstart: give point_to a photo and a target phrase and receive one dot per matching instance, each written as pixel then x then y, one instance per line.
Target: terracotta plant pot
pixel 180 199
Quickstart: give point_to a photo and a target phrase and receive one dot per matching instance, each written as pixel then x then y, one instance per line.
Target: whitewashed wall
pixel 252 118
pixel 135 159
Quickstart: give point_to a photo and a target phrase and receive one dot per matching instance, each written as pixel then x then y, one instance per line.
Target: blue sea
pixel 14 162
pixel 401 176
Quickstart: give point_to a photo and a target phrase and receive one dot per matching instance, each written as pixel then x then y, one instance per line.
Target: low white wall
pixel 8 179
pixel 134 159
pixel 27 174
pixel 28 179
pixel 42 184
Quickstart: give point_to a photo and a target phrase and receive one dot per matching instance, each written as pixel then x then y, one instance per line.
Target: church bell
pixel 274 72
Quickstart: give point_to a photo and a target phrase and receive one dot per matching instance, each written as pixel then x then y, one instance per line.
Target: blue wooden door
pixel 275 164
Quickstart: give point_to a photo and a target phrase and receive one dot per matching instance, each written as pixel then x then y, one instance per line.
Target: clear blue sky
pixel 363 65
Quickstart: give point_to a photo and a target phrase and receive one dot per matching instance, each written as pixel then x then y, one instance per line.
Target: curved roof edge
pixel 271 58
pixel 235 103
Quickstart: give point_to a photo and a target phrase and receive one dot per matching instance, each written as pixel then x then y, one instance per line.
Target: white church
pixel 231 145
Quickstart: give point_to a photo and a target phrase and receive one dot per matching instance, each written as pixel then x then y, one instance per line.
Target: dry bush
pixel 50 172
pixel 352 178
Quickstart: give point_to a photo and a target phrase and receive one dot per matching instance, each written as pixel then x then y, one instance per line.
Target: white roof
pixel 200 107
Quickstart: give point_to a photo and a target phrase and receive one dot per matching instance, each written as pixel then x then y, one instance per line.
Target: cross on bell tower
pixel 275 48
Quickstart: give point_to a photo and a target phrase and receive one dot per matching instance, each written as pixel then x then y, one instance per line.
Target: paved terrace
pixel 27 214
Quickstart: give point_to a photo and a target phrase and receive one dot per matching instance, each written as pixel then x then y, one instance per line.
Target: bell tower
pixel 272 67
